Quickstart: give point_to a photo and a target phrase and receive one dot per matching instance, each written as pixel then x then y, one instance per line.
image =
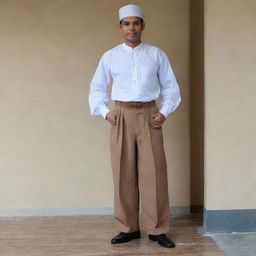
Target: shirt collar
pixel 130 49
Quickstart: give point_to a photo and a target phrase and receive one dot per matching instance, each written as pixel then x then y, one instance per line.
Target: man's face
pixel 131 28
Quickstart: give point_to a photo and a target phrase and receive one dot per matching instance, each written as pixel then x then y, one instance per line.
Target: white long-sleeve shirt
pixel 142 73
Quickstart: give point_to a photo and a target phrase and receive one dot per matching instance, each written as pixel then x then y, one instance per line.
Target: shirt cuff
pixel 164 111
pixel 103 111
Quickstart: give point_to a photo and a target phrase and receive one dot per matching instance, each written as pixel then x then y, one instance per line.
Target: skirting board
pixel 228 221
pixel 174 210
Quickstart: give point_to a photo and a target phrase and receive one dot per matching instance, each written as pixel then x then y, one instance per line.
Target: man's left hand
pixel 158 119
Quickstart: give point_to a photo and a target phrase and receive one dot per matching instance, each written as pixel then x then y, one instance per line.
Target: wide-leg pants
pixel 139 171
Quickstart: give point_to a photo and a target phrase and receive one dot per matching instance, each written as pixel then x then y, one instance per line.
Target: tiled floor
pixel 237 244
pixel 91 235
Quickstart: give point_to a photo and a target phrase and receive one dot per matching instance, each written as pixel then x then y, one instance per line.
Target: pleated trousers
pixel 139 171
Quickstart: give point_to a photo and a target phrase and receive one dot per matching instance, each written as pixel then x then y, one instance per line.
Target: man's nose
pixel 131 26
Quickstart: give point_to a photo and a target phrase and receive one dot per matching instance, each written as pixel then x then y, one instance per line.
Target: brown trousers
pixel 139 171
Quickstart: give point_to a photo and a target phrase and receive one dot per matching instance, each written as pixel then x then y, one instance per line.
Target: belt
pixel 135 104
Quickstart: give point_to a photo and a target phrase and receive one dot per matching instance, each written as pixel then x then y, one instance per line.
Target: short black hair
pixel 141 20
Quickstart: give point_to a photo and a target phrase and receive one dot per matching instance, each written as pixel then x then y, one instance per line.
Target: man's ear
pixel 120 23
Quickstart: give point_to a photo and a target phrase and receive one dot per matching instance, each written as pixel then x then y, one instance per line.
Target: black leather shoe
pixel 123 237
pixel 163 240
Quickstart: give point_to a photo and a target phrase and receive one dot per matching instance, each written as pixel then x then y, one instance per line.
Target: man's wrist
pixel 164 114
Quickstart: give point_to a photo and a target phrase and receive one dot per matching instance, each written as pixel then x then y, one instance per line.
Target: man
pixel 140 74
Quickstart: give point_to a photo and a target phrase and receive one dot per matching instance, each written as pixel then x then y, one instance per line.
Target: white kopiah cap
pixel 130 10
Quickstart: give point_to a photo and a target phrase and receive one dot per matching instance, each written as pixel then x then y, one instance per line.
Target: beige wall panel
pixel 53 153
pixel 230 79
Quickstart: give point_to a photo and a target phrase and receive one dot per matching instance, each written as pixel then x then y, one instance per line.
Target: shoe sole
pixel 155 240
pixel 125 241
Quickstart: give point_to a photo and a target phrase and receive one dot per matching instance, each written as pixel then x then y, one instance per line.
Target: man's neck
pixel 133 45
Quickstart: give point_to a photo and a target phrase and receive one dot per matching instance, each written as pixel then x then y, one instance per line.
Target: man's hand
pixel 158 119
pixel 111 117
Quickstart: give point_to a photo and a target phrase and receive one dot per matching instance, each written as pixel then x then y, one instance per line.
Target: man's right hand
pixel 111 117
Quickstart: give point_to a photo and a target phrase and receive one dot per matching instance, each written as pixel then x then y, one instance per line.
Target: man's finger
pixel 114 119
